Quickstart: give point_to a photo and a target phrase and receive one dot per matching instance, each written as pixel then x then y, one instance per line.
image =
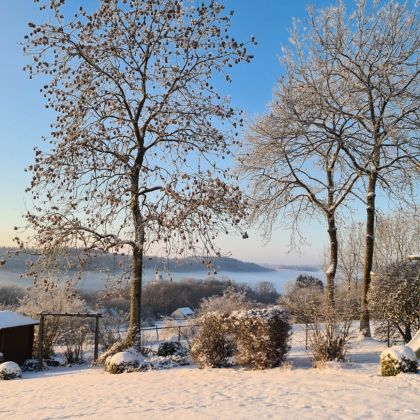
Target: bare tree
pixel 350 256
pixel 295 166
pixel 397 237
pixel 133 160
pixel 364 68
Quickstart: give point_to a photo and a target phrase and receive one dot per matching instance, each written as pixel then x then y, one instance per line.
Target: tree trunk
pixel 333 258
pixel 134 337
pixel 370 241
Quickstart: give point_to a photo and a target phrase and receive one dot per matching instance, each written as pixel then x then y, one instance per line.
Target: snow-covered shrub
pixel 111 328
pixel 125 361
pixel 330 329
pixel 54 296
pixel 261 337
pixel 231 300
pixel 302 303
pixel 394 297
pixel 212 345
pixel 74 339
pixel 398 359
pixel 10 370
pixel 170 348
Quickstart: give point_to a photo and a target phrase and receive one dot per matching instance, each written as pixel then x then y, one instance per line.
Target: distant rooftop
pixel 10 319
pixel 182 312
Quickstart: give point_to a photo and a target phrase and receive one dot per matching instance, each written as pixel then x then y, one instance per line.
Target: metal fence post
pixel 306 336
pixel 157 332
pixel 388 333
pixel 179 334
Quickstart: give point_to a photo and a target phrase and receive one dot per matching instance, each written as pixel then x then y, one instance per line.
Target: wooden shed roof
pixel 10 319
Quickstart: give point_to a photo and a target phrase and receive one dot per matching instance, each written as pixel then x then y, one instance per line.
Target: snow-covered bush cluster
pixel 398 359
pixel 261 337
pixel 394 297
pixel 256 338
pixel 213 344
pixel 125 361
pixel 131 361
pixel 10 370
pixel 302 300
pixel 231 300
pixel 55 296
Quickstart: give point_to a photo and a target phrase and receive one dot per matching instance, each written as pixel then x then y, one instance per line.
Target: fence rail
pixel 177 328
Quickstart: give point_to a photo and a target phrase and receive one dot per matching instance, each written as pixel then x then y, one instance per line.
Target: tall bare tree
pixel 295 166
pixel 133 161
pixel 364 67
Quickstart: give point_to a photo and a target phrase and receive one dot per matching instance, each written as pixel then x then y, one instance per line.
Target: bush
pixel 213 345
pixel 10 370
pixel 50 295
pixel 394 297
pixel 261 337
pixel 398 359
pixel 231 300
pixel 257 338
pixel 74 339
pixel 302 302
pixel 171 348
pixel 111 328
pixel 331 327
pixel 124 361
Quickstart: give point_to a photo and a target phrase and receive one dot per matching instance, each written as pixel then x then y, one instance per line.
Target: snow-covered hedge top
pixel 398 353
pixel 262 313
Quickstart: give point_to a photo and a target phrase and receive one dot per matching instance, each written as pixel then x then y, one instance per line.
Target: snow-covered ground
pixel 352 390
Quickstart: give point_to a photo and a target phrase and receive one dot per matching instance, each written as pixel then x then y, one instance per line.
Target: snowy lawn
pixel 354 390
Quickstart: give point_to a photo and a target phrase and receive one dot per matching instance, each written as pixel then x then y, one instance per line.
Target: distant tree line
pixel 160 300
pixel 75 259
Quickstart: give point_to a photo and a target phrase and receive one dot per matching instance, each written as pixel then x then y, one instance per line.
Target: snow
pixel 399 352
pixel 349 390
pixel 9 319
pixel 10 369
pixel 330 269
pixel 124 357
pixel 415 344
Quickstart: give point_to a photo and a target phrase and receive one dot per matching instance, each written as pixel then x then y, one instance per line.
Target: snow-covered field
pixel 353 390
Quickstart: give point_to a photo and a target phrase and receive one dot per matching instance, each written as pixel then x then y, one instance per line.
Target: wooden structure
pixel 16 336
pixel 61 314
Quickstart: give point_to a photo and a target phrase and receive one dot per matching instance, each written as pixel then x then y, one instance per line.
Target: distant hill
pixel 110 262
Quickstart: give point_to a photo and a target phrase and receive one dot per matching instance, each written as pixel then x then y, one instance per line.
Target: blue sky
pixel 23 118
